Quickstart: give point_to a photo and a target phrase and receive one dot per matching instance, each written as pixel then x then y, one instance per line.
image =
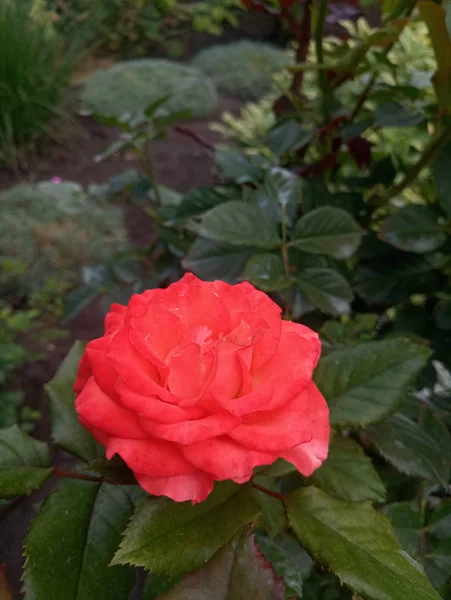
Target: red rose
pixel 202 382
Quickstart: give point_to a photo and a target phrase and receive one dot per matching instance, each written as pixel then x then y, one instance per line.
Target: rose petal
pixel 189 432
pixel 308 457
pixel 115 318
pixel 180 488
pixel 84 372
pixel 189 371
pixel 139 373
pixel 138 304
pixel 156 333
pixel 153 457
pixel 101 367
pixel 100 411
pixel 226 459
pixel 278 430
pixel 97 434
pixel 154 409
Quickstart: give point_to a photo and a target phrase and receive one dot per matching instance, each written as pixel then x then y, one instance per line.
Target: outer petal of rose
pixel 101 367
pixel 180 488
pixel 190 432
pixel 225 458
pixel 100 411
pixel 228 380
pixel 100 436
pixel 153 457
pixel 154 409
pixel 138 304
pixel 156 333
pixel 140 374
pixel 306 334
pixel 197 304
pixel 115 318
pixel 189 371
pixel 308 457
pixel 256 400
pixel 275 431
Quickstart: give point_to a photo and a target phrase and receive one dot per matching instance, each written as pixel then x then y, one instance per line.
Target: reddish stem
pixel 267 491
pixel 303 39
pixel 71 475
pixel 194 136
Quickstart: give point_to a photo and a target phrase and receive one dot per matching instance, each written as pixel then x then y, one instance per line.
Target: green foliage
pixel 128 88
pixel 257 62
pixel 53 229
pixel 34 70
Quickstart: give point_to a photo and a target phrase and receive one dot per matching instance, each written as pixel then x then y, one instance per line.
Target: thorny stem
pixel 268 492
pixel 72 475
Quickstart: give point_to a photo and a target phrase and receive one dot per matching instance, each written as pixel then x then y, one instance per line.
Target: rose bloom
pixel 202 382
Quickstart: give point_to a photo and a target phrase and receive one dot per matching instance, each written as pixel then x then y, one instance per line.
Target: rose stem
pixel 60 473
pixel 268 492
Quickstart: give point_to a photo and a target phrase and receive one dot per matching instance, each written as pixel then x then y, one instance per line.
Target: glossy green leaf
pixel 364 383
pixel 10 401
pixel 437 565
pixel 241 224
pixel 358 544
pixel 211 260
pixel 442 178
pixel 348 473
pixel 289 560
pixel 66 429
pixel 315 194
pixel 327 230
pixel 235 166
pixel 394 114
pixel 266 271
pixel 423 450
pixel 327 290
pixel 407 523
pixel 198 201
pixel 236 572
pixel 414 229
pixel 72 540
pixel 284 190
pixel 24 463
pixel 442 314
pixel 440 523
pixel 288 136
pixel 272 518
pixel 169 538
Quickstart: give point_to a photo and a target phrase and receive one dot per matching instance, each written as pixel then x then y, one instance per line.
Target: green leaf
pixel 24 463
pixel 364 383
pixel 272 517
pixel 241 224
pixel 72 540
pixel 394 114
pixel 327 290
pixel 315 194
pixel 236 167
pixel 289 560
pixel 288 136
pixel 169 538
pixel 198 201
pixel 414 229
pixel 437 564
pixel 348 473
pixel 236 572
pixel 358 544
pixel 216 260
pixel 266 271
pixel 327 230
pixel 284 190
pixel 442 177
pixel 66 429
pixel 423 450
pixel 440 523
pixel 78 299
pixel 407 523
pixel 442 314
pixel 10 400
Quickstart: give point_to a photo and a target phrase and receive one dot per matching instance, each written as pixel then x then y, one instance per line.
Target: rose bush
pixel 202 382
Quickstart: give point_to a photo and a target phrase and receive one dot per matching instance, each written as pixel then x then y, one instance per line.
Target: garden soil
pixel 181 163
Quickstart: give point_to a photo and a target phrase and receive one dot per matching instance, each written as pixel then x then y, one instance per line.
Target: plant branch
pixel 303 39
pixel 151 174
pixel 268 492
pixel 425 160
pixel 194 136
pixel 322 78
pixel 72 475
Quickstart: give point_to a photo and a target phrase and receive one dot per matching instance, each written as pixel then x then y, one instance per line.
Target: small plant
pixel 244 69
pixel 128 88
pixel 34 70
